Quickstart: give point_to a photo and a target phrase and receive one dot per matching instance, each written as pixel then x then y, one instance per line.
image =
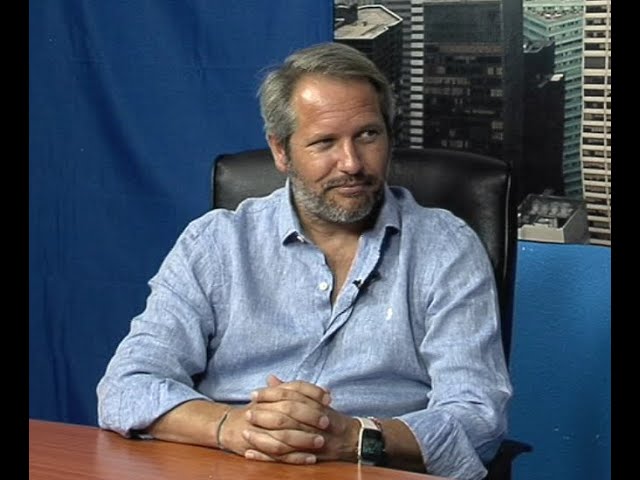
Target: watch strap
pixel 366 422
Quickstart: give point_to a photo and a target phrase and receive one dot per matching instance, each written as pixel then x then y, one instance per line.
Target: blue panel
pixel 561 362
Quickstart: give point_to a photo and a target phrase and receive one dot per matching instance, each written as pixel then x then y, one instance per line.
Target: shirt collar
pixel 289 228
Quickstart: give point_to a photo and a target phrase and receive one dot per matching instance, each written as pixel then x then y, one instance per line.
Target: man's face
pixel 339 153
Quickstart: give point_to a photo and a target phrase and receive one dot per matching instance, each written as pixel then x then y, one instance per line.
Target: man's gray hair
pixel 331 59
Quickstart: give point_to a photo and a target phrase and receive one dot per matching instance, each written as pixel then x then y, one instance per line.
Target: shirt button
pixel 323 286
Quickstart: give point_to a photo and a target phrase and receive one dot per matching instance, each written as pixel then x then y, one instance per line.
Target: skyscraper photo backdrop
pixel 527 81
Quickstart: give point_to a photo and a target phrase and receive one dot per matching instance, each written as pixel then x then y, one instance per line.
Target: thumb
pixel 273 381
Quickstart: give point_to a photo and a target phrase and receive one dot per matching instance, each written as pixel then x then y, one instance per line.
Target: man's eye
pixel 323 143
pixel 369 135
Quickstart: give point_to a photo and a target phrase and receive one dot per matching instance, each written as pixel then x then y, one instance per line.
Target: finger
pixel 295 391
pixel 257 455
pixel 273 381
pixel 287 409
pixel 279 394
pixel 281 442
pixel 315 392
pixel 287 415
pixel 297 458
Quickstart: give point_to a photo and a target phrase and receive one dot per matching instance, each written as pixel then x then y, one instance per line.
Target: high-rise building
pixel 596 120
pixel 561 21
pixel 411 12
pixel 543 119
pixel 463 76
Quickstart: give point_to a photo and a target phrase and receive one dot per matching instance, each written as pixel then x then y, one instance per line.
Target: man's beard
pixel 322 207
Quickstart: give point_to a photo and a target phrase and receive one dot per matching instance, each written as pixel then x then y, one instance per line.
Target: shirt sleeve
pixel 153 368
pixel 466 417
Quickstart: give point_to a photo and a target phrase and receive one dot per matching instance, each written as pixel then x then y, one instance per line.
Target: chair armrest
pixel 500 467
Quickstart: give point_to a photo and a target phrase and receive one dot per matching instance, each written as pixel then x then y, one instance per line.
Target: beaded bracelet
pixel 219 428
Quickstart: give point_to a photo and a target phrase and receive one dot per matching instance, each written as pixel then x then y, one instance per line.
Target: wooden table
pixel 65 451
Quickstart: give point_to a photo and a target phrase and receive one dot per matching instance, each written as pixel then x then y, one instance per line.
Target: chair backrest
pixel 475 187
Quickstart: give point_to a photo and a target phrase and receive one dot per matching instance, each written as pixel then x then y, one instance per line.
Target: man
pixel 335 319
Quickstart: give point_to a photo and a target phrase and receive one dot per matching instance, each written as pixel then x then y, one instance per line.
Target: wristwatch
pixel 370 443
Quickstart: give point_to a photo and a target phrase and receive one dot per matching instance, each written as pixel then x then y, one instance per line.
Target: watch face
pixel 372 445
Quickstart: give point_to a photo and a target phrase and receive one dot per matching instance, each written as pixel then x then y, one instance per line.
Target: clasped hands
pixel 290 422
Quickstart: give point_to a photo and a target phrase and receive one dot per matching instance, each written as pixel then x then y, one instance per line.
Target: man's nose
pixel 349 161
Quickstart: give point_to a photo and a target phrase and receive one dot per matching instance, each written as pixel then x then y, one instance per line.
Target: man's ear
pixel 279 153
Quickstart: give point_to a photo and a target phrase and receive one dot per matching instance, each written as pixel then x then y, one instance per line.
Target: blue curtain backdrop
pixel 128 104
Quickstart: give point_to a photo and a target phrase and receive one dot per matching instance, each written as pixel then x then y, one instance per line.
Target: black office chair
pixel 476 188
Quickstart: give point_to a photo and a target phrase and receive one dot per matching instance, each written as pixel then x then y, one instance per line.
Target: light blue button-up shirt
pixel 414 333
